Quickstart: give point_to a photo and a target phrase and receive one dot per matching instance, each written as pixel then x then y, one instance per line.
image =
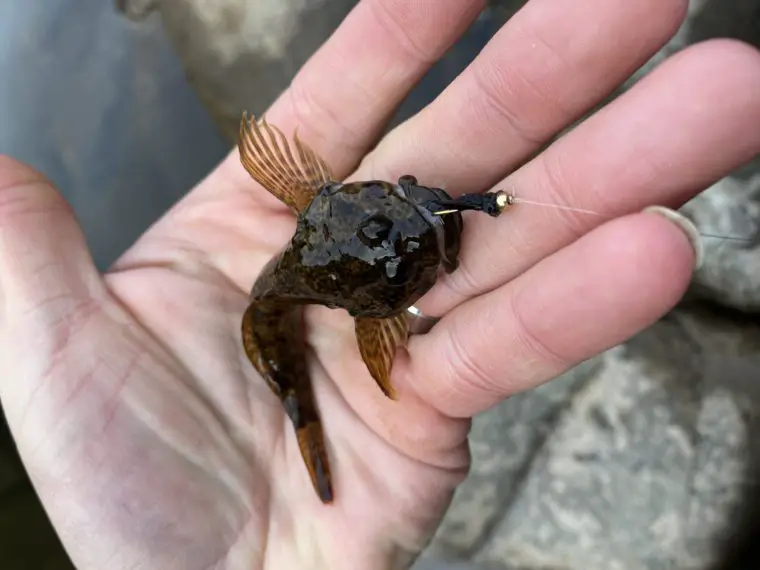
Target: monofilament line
pixel 516 200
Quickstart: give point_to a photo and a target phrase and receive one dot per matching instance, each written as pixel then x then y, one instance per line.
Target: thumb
pixel 46 269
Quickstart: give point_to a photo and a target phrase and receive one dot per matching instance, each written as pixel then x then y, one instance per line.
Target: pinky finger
pixel 590 296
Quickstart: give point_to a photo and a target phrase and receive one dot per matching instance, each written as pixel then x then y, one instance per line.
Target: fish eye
pixel 374 230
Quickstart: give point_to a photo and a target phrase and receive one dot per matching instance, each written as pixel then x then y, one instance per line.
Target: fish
pixel 372 248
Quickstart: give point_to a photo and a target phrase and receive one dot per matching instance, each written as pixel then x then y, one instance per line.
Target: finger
pixel 44 259
pixel 588 297
pixel 343 97
pixel 49 285
pixel 549 64
pixel 340 101
pixel 689 123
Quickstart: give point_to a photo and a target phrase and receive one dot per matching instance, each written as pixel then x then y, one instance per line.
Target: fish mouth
pixel 423 198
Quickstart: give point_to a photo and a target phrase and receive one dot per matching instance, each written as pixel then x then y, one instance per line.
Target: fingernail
pixel 687 227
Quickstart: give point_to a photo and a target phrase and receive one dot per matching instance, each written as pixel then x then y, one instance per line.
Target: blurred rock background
pixel 644 458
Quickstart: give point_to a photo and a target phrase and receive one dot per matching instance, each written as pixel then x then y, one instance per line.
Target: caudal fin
pixel 311 441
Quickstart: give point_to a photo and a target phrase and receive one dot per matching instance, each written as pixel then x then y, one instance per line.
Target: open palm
pixel 148 435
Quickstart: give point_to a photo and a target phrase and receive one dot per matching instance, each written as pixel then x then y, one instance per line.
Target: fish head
pixel 373 248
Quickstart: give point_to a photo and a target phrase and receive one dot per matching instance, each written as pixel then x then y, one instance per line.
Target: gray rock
pixel 241 55
pixel 433 564
pixel 639 461
pixel 738 19
pixel 504 443
pixel 728 215
pixel 136 10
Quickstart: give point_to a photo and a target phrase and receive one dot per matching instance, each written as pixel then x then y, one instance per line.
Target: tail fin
pixel 311 441
pixel 273 340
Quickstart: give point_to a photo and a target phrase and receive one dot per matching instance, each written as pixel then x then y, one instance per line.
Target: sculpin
pixel 372 248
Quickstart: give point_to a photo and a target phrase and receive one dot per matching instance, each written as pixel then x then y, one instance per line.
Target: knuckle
pixel 560 189
pixel 462 283
pixel 389 19
pixel 311 113
pixel 24 199
pixel 465 368
pixel 14 174
pixel 498 92
pixel 533 347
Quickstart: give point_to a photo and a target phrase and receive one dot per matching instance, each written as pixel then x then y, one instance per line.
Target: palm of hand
pixel 179 427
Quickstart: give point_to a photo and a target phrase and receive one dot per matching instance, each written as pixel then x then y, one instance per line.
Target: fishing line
pixel 494 203
pixel 517 200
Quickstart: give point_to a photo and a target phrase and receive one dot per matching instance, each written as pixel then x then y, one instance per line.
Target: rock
pixel 639 461
pixel 241 55
pixel 728 215
pixel 430 564
pixel 504 442
pixel 136 10
pixel 738 19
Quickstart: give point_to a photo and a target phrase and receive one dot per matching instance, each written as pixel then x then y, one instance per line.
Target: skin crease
pixel 149 438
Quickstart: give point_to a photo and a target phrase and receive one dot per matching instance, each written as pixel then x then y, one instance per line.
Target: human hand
pixel 148 436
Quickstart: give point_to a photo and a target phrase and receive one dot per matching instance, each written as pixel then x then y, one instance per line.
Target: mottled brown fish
pixel 372 248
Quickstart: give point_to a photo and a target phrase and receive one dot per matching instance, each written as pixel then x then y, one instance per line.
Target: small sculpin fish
pixel 372 248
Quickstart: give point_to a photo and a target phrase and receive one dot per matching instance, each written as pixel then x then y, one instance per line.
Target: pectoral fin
pixel 266 155
pixel 378 340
